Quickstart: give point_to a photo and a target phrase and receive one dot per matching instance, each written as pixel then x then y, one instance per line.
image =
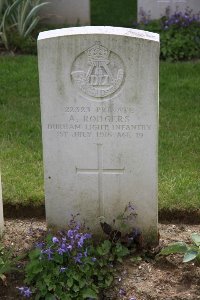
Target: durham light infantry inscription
pixel 100 121
pixel 98 72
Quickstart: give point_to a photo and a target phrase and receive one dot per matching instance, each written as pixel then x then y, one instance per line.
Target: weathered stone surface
pixel 99 102
pixel 155 9
pixel 71 12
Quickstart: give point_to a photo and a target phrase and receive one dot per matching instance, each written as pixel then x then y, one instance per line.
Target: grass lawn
pixel 179 150
pixel 113 12
pixel 179 147
pixel 20 132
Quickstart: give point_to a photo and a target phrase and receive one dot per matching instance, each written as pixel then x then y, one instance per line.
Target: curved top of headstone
pixel 103 30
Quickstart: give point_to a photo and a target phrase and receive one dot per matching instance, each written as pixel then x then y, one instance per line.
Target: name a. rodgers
pixel 122 119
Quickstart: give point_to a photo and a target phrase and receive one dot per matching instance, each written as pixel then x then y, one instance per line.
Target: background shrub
pixel 18 19
pixel 179 35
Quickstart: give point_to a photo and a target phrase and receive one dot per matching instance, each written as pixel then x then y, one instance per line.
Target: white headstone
pixel 99 101
pixel 71 12
pixel 1 209
pixel 155 9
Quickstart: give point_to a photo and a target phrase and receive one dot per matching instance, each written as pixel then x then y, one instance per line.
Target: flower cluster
pixel 179 33
pixel 70 265
pixel 144 16
pixel 71 243
pixel 179 19
pixel 25 291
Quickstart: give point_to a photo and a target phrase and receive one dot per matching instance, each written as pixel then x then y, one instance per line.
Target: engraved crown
pixel 97 53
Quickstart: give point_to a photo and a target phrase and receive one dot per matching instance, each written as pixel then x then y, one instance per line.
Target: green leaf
pixel 121 250
pixel 75 288
pixel 34 267
pixel 119 259
pixel 89 293
pixel 178 247
pixel 82 283
pixel 35 254
pixel 2 277
pixel 190 255
pixel 135 259
pixel 37 297
pixel 50 297
pixel 22 14
pixel 31 27
pixel 42 288
pixel 32 19
pixel 196 239
pixel 198 257
pixel 76 276
pixel 70 282
pixel 66 297
pixel 109 280
pixel 104 248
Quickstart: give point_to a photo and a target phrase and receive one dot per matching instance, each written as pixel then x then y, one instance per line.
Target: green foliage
pixel 182 44
pixel 179 35
pixel 178 247
pixel 18 17
pixel 113 12
pixel 71 266
pixel 196 239
pixel 26 45
pixel 6 262
pixel 26 16
pixel 7 8
pixel 190 252
pixel 124 219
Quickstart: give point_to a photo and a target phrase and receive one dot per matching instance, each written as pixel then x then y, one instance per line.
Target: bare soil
pixel 166 278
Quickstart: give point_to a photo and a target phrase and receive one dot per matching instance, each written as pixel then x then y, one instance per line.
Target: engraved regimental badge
pixel 98 72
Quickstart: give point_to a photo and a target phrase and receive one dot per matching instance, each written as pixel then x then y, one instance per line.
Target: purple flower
pixel 49 252
pixel 61 251
pixel 77 236
pixel 81 242
pixel 40 245
pixel 78 227
pixel 93 259
pixel 130 206
pixel 122 292
pixel 55 240
pixel 70 234
pixel 69 247
pixel 132 298
pixel 30 231
pixel 63 246
pixel 78 258
pixel 87 236
pixel 83 238
pixel 25 291
pixel 136 232
pixel 62 269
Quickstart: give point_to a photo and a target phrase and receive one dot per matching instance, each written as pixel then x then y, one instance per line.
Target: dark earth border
pixel 174 216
